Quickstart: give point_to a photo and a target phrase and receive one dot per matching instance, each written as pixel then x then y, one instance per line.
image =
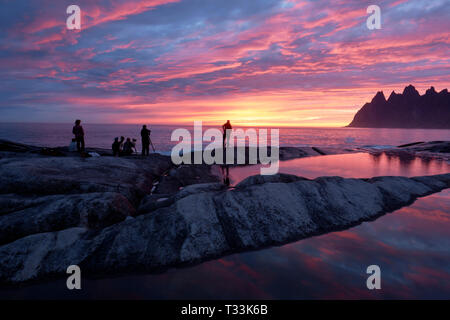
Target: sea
pixel 102 135
pixel 410 245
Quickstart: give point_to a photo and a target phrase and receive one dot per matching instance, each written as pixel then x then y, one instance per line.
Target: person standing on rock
pixel 79 135
pixel 145 135
pixel 226 133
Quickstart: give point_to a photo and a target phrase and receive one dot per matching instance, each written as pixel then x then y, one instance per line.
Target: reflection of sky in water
pixel 357 165
pixel 411 245
pixel 102 135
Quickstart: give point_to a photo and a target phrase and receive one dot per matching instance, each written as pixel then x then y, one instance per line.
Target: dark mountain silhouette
pixel 406 110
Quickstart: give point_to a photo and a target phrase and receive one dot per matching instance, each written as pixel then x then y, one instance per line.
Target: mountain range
pixel 406 110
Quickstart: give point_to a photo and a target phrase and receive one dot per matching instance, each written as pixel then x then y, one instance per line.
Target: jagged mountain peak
pixel 410 91
pixel 392 95
pixel 431 91
pixel 406 110
pixel 379 97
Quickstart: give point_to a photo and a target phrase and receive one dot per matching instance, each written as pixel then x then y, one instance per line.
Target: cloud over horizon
pixel 264 62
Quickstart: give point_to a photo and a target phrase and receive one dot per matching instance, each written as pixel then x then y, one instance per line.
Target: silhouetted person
pixel 121 142
pixel 116 147
pixel 226 133
pixel 127 148
pixel 145 135
pixel 133 142
pixel 79 135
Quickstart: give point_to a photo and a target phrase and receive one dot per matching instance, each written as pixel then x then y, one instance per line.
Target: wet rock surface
pixel 116 215
pixel 209 222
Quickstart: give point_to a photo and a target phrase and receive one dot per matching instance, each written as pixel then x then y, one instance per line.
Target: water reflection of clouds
pixel 400 252
pixel 356 165
pixel 404 244
pixel 412 247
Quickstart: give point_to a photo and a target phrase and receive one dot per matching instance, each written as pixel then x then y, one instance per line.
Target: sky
pixel 256 62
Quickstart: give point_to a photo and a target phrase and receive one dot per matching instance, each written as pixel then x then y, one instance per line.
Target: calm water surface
pixel 353 165
pixel 102 135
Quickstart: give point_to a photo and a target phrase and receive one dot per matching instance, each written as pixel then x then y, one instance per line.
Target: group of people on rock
pixel 128 147
pixel 120 147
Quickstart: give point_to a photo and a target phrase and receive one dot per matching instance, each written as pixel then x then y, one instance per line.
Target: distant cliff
pixel 406 110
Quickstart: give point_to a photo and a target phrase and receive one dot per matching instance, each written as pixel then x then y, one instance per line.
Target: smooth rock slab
pixel 33 214
pixel 206 225
pixel 43 176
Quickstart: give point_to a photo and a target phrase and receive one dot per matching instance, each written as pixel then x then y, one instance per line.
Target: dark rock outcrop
pixel 205 221
pixel 113 215
pixel 45 193
pixel 406 110
pixel 432 146
pixel 31 215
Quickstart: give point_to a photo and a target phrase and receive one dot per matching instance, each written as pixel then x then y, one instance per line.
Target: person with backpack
pixel 79 135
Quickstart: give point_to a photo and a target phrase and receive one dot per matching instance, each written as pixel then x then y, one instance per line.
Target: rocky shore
pixel 437 150
pixel 114 215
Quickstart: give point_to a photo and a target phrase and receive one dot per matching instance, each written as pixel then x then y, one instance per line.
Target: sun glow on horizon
pixel 305 64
